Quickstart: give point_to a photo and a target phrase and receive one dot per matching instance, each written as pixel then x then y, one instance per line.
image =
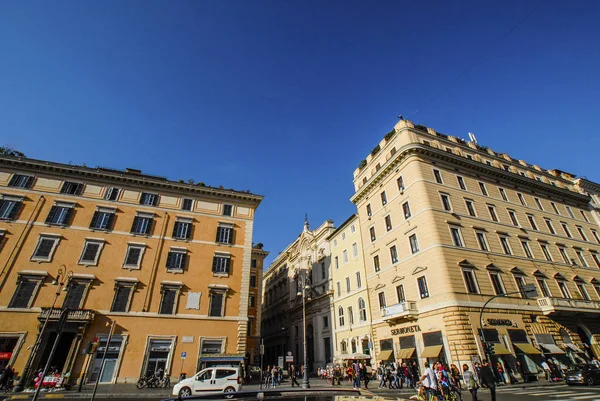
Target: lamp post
pixel 529 291
pixel 304 286
pixel 58 281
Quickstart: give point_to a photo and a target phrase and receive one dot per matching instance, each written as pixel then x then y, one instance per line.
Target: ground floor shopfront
pixel 140 345
pixel 521 339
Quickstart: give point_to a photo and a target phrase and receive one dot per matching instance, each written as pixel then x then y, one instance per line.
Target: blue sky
pixel 286 97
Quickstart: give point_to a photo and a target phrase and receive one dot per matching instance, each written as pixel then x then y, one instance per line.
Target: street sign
pixel 289 358
pixel 280 361
pixel 183 355
pixel 289 353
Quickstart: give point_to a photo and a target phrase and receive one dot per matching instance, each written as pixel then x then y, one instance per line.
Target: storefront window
pixel 158 355
pixel 7 347
pixel 110 363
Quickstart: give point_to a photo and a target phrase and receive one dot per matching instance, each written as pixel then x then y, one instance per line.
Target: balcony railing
pixel 405 310
pixel 551 305
pixel 74 315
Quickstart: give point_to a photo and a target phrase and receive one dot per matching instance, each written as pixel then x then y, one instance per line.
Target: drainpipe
pixel 22 236
pixel 153 273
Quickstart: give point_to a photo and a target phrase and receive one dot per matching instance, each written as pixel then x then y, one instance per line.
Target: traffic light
pixel 92 346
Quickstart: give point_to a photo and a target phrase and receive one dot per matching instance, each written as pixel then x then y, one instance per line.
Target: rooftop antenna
pixel 472 137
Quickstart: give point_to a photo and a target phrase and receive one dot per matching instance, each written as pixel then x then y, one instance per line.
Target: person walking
pixel 293 376
pixel 547 370
pixel 429 381
pixel 364 375
pixel 356 376
pixel 470 382
pixel 487 379
pixel 274 377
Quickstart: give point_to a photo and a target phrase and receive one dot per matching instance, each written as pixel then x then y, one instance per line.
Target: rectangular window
pixel 581 233
pixel 9 207
pixel 546 252
pixel 521 199
pixel 550 226
pixel 583 291
pixel 337 263
pixel 176 259
pixel 438 176
pixel 25 292
pixel 217 303
pixel 414 243
pixel 538 203
pixel 563 253
pixel 341 316
pixel 142 224
pixel 148 199
pixel 527 249
pixel 167 302
pixel 470 282
pixel 400 182
pixel 352 229
pixel 253 281
pixel 483 189
pixel 133 258
pixel 182 229
pixel 372 233
pixel 60 214
pixel 581 258
pixel 520 281
pixel 544 290
pixel 562 286
pixel 596 258
pixel 461 182
pixel 393 254
pixel 400 293
pixel 555 208
pixel 406 210
pixel 224 233
pixel 423 290
pixel 446 202
pixel 339 288
pixel 347 284
pixel 343 236
pixel 570 212
pixel 388 223
pixel 456 237
pixel 112 194
pixel 376 266
pixel 493 214
pixel 103 219
pixel 505 245
pixel 221 264
pixel 596 237
pixel 483 245
pixel 470 207
pixel 503 194
pixel 355 250
pixel 369 210
pixel 497 283
pixel 381 297
pixel 71 188
pixel 227 210
pixel 45 248
pixel 513 217
pixel 358 280
pixel 21 181
pixel 122 299
pixel 325 322
pixel 253 263
pixel 345 256
pixel 91 252
pixel 566 229
pixel 383 198
pixel 323 271
pixel 584 216
pixel 187 204
pixel 75 291
pixel 532 222
pixel 597 288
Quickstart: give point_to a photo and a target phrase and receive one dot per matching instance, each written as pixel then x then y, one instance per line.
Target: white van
pixel 217 379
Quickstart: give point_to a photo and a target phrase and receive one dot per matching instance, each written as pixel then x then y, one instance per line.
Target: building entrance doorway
pixel 63 350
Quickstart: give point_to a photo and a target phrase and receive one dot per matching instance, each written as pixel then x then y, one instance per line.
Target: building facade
pixel 168 262
pixel 351 307
pixel 254 304
pixel 446 225
pixel 308 256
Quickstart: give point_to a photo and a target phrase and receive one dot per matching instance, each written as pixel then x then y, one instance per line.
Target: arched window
pixel 353 346
pixel 341 316
pixel 344 347
pixel 362 311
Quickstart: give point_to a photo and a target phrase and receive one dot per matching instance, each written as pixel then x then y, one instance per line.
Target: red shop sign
pixel 5 355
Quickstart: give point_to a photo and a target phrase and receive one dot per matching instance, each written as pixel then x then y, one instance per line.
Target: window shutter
pixel 175 227
pixel 111 220
pixel 188 234
pixel 51 215
pixel 23 294
pixel 91 250
pixel 13 180
pixel 228 265
pixel 121 299
pixel 68 216
pixel 77 189
pixel 73 299
pixel 13 212
pixel 29 182
pixel 215 261
pixel 183 261
pixel 170 260
pixel 149 226
pixel 168 302
pixel 218 232
pixel 136 222
pixel 94 221
pixel 231 236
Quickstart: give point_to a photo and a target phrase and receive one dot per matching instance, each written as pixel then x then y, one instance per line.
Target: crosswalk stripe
pixel 550 393
pixel 562 394
pixel 586 397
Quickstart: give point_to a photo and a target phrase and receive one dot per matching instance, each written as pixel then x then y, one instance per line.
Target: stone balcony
pixel 550 305
pixel 405 310
pixel 74 315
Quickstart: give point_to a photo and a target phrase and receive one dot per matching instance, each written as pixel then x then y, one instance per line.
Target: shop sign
pixel 187 339
pixel 5 355
pixel 406 330
pixel 501 322
pixel 110 349
pixel 160 349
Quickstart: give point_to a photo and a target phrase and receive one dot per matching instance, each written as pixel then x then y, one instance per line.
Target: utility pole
pixel 110 333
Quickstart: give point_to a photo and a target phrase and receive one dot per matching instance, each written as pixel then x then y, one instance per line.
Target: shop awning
pixel 406 353
pixel 574 348
pixel 596 349
pixel 385 355
pixel 552 349
pixel 527 348
pixel 500 349
pixel 432 351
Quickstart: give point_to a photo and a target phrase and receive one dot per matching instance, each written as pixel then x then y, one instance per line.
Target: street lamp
pixel 59 281
pixel 528 290
pixel 303 287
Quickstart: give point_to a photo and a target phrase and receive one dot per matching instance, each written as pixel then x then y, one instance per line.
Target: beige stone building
pixel 169 262
pixel 352 313
pixel 447 224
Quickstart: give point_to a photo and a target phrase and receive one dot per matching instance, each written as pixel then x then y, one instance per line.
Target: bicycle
pixel 143 382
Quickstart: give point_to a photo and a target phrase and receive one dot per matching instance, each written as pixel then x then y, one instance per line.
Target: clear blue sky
pixel 286 97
